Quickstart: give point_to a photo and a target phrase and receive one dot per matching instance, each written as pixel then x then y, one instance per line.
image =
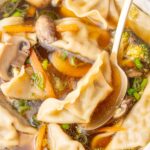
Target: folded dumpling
pixel 99 11
pixel 11 124
pixel 78 42
pixel 58 140
pixel 22 87
pixel 137 125
pixel 79 104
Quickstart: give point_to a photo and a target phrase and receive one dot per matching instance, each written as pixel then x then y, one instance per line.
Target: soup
pixel 57 77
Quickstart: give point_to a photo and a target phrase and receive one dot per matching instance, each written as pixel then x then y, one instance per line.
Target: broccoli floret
pixel 140 51
pixel 136 51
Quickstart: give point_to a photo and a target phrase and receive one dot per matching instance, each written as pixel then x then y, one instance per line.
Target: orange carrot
pixel 66 12
pixel 18 28
pixel 65 67
pixel 40 137
pixel 0 35
pixel 37 66
pixel 127 63
pixel 67 27
pixel 112 129
pixel 31 11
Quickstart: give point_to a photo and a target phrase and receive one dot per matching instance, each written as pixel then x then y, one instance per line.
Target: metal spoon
pixel 105 110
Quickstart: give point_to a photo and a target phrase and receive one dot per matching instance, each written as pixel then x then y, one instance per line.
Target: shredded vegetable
pixel 65 67
pixel 67 27
pixel 22 106
pixel 40 137
pixel 18 28
pixel 37 66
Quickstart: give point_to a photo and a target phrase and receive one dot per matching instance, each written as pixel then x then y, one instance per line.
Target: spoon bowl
pixel 105 110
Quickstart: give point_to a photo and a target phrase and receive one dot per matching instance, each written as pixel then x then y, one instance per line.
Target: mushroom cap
pixel 8 53
pixel 46 31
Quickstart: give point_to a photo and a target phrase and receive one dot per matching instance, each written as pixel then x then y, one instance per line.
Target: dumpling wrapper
pixel 79 104
pixel 10 123
pixel 21 87
pixel 137 125
pixel 99 11
pixel 58 140
pixel 77 42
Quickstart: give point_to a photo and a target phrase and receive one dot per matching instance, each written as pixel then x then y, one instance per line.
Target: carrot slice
pixel 66 68
pixel 40 137
pixel 37 66
pixel 66 12
pixel 18 28
pixel 31 11
pixel 67 27
pixel 112 129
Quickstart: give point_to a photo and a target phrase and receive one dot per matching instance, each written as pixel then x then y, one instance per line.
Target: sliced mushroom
pixel 133 73
pixel 123 109
pixel 39 3
pixel 23 53
pixel 46 32
pixel 12 52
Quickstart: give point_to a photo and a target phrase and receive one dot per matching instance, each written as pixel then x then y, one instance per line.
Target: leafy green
pixel 22 106
pixel 73 61
pixel 34 122
pixel 138 63
pixel 144 83
pixel 77 133
pixel 38 80
pixel 65 126
pixel 136 95
pixel 45 64
pixel 27 61
pixel 9 7
pixel 137 87
pixel 131 91
pixel 64 55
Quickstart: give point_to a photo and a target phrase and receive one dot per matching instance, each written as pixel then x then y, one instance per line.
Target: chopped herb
pixel 45 64
pixel 131 91
pixel 22 106
pixel 137 83
pixel 14 1
pixel 73 61
pixel 34 122
pixel 144 83
pixel 9 7
pixel 17 14
pixel 27 61
pixel 59 84
pixel 82 138
pixel 137 87
pixel 65 126
pixel 138 63
pixel 38 80
pixel 64 55
pixel 77 134
pixel 136 95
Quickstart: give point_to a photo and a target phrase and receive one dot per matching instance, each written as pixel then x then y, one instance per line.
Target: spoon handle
pixel 120 27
